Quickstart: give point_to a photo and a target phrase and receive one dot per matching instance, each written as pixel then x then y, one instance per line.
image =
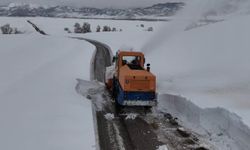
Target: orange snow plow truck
pixel 129 82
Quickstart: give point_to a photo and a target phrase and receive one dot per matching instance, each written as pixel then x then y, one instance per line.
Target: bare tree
pixel 98 29
pixel 150 29
pixel 77 28
pixel 106 29
pixel 114 29
pixel 67 30
pixel 6 29
pixel 86 27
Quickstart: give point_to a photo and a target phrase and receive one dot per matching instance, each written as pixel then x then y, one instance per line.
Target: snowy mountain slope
pixel 39 108
pixel 157 10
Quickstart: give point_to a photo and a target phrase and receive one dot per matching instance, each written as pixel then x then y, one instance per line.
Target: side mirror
pixel 148 67
pixel 114 58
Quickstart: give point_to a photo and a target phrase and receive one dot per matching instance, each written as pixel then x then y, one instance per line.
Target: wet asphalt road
pixel 101 60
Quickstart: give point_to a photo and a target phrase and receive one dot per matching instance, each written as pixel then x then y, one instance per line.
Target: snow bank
pixel 224 129
pixel 209 65
pixel 39 107
pixel 109 74
pixel 92 90
pixel 162 147
pixel 130 116
pixel 109 116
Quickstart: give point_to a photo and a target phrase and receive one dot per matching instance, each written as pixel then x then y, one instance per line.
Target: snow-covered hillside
pixel 39 108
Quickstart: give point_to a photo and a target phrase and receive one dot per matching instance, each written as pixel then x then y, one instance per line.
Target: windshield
pixel 135 60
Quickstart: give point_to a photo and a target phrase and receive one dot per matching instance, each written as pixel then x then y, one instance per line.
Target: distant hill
pixel 27 10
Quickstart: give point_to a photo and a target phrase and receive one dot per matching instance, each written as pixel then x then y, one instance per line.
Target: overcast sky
pixel 92 3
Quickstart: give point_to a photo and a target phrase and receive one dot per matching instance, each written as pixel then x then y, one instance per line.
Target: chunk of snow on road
pixel 110 71
pixel 119 138
pixel 109 116
pixel 162 147
pixel 92 90
pixel 85 87
pixel 131 116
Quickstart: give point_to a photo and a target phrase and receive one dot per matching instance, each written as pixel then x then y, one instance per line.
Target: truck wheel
pixel 147 109
pixel 117 108
pixel 114 89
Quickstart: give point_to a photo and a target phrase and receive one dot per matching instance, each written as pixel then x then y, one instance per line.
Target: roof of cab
pixel 129 53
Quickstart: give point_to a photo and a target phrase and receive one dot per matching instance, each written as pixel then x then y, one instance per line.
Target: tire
pixel 114 89
pixel 147 109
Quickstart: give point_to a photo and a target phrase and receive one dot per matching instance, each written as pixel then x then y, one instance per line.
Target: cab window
pixel 133 60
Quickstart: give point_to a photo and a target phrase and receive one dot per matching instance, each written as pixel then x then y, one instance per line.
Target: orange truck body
pixel 132 84
pixel 136 80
